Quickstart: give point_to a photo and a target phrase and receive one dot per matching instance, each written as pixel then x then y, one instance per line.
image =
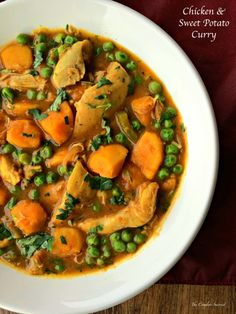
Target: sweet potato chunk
pixel 3 195
pixel 20 109
pixel 17 57
pixel 50 194
pixel 29 216
pixel 24 134
pixel 142 108
pixel 148 154
pixel 59 124
pixel 108 160
pixel 67 241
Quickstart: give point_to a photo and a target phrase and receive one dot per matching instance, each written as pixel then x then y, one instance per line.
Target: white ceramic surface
pixel 33 295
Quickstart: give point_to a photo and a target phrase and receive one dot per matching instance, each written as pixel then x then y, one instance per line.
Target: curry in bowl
pixel 92 152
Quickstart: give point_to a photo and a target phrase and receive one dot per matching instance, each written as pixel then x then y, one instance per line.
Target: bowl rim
pixel 215 159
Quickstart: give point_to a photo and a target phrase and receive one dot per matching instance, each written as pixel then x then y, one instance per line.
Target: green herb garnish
pixel 103 81
pixel 63 240
pixel 61 96
pixel 98 183
pixel 37 115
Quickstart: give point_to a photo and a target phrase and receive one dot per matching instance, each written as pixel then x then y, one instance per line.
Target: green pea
pixel 89 260
pixel 24 158
pixel 100 262
pixel 172 149
pixel 167 135
pixel 69 40
pixel 41 47
pixel 61 48
pixel 98 51
pixel 31 94
pixel 168 124
pixel 41 95
pixel 110 56
pixel 92 239
pixel 131 247
pixel 126 235
pixel 96 207
pixel 12 202
pixel 163 174
pixel 131 66
pixel 154 87
pixel 136 125
pixel 116 192
pixel 156 124
pixel 51 63
pixel 104 240
pixel 8 148
pixel 46 151
pixel 37 159
pixel 41 38
pixel 59 38
pixel 171 112
pixel 108 46
pixel 40 179
pixel 115 236
pixel 46 72
pixel 119 246
pixel 120 138
pixel 51 177
pixel 121 56
pixel 8 94
pixel 61 170
pixel 106 251
pixel 170 160
pixel 33 195
pixel 139 238
pixel 16 190
pixel 177 169
pixel 23 39
pixel 93 251
pixel 59 267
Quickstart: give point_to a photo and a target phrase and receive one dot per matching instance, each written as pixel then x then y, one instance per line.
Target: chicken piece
pixel 71 65
pixel 8 171
pixel 50 194
pixel 90 110
pixel 137 213
pixel 65 155
pixel 77 187
pixel 4 121
pixel 22 82
pixel 30 170
pixel 36 264
pixel 67 241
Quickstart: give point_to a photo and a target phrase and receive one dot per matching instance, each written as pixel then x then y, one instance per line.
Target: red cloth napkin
pixel 211 259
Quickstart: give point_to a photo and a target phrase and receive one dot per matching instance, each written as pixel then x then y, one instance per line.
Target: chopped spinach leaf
pixel 63 240
pixel 61 96
pixel 103 81
pixel 98 183
pixel 29 245
pixel 38 58
pixel 66 119
pixel 37 115
pixel 4 233
pixel 27 134
pixel 70 203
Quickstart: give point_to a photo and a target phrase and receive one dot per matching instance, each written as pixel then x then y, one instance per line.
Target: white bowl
pixel 22 293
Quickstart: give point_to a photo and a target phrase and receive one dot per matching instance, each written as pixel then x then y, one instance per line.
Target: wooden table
pixel 177 299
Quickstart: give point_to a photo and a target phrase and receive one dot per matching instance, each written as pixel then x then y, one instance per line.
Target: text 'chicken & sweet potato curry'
pixel 92 152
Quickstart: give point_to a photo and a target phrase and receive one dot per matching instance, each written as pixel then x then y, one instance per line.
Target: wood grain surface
pixel 177 299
